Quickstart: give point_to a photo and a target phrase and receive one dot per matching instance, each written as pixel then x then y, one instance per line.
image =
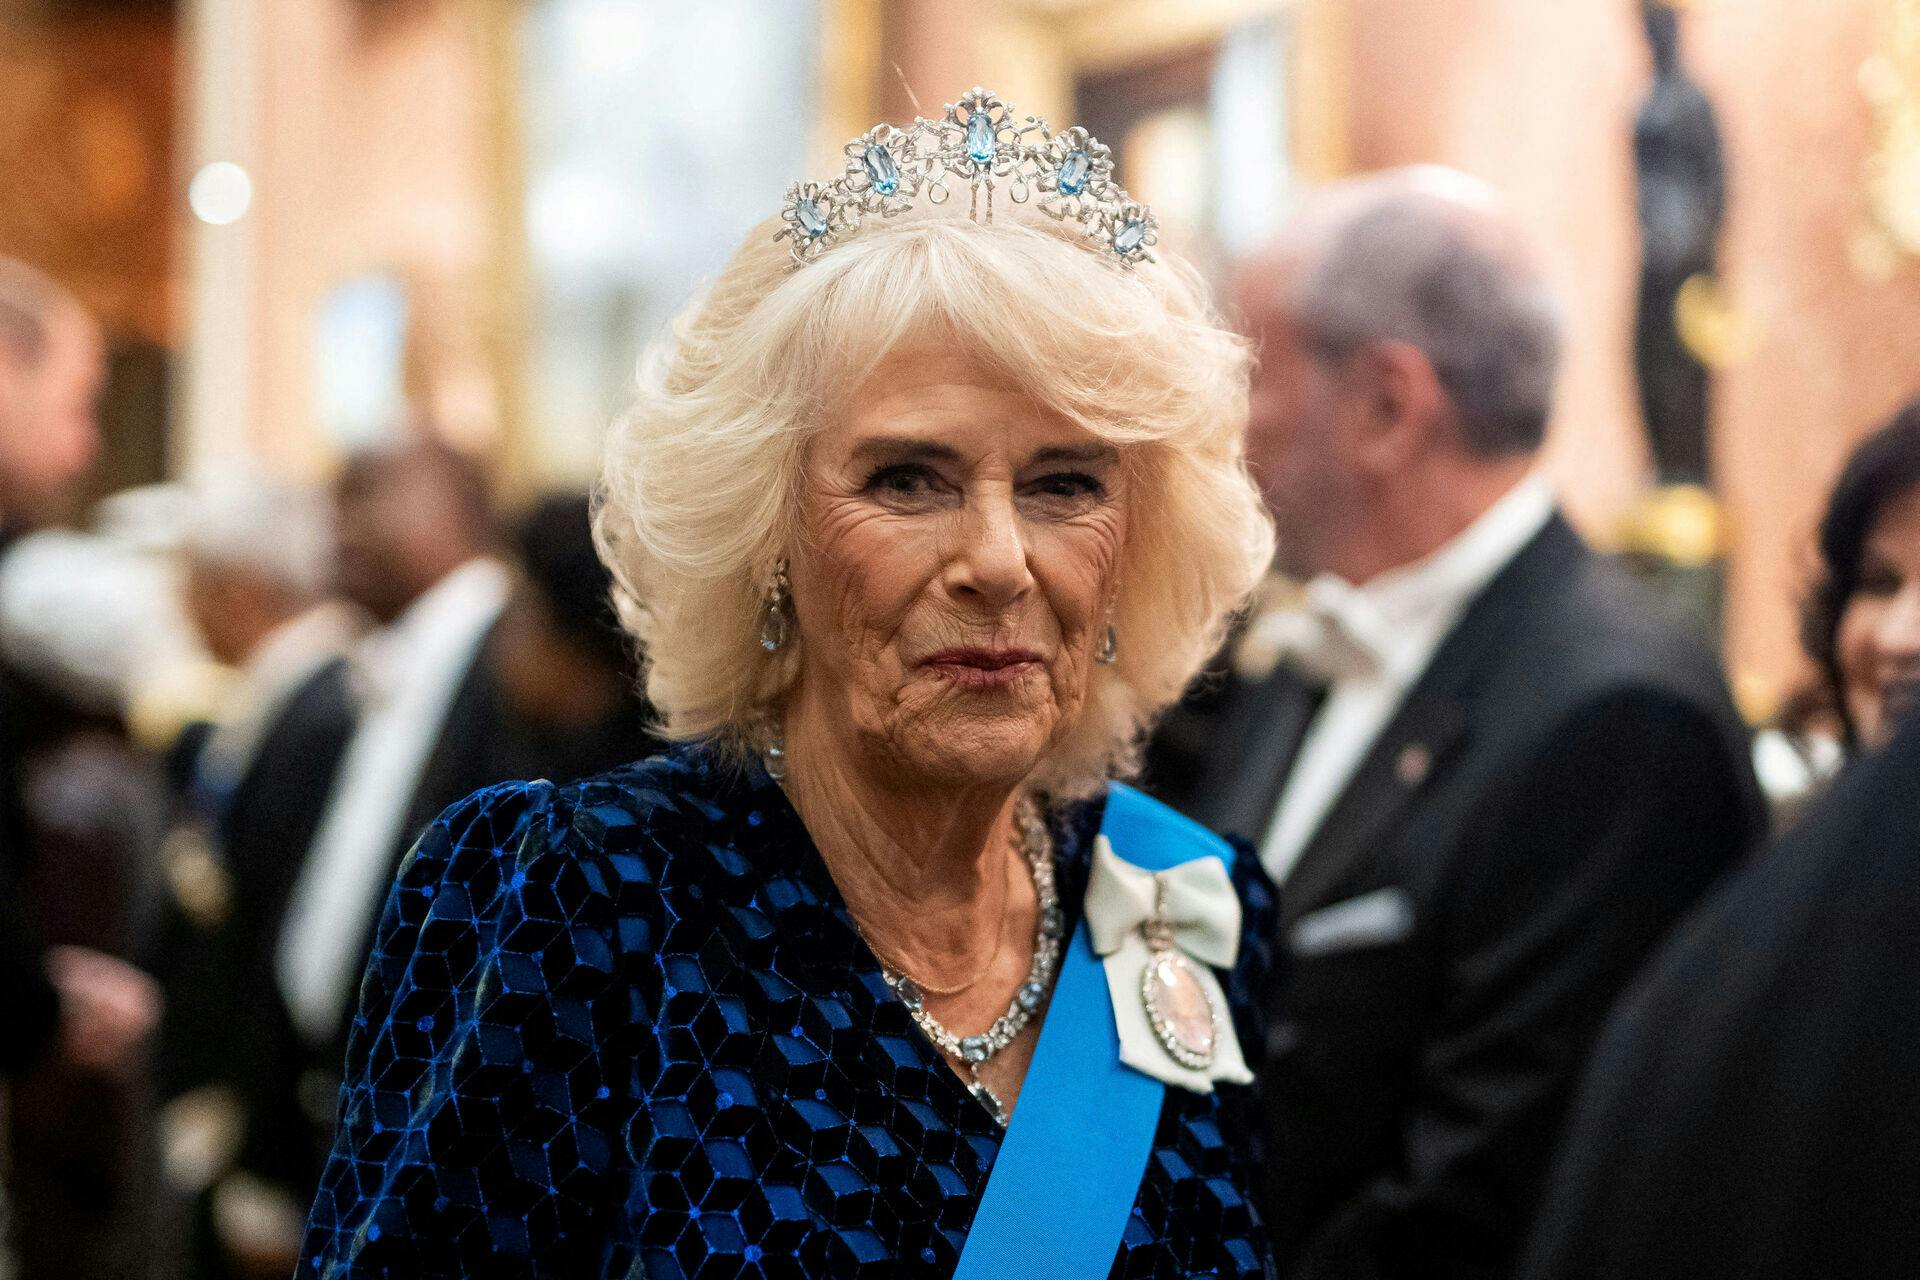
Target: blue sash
pixel 1070 1163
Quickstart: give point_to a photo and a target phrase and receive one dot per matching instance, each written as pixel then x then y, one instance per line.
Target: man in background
pixel 413 540
pixel 554 695
pixel 1486 779
pixel 1749 1113
pixel 52 367
pixel 479 670
pixel 73 1020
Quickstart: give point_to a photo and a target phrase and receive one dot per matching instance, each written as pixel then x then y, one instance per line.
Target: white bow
pixel 1204 912
pixel 1328 629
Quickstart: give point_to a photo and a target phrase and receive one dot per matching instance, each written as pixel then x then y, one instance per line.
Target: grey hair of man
pixel 1421 256
pixel 279 532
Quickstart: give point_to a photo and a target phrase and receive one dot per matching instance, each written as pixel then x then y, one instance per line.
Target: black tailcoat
pixel 1753 1109
pixel 1558 787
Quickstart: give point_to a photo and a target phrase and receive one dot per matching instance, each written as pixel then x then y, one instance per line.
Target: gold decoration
pixel 1717 330
pixel 1874 255
pixel 201 885
pixel 1890 82
pixel 1680 524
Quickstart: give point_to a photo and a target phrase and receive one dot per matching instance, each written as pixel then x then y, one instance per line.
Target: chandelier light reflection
pixel 220 193
pixel 1890 80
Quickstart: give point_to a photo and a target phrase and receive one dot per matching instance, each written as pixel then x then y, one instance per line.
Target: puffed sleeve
pixel 478 1123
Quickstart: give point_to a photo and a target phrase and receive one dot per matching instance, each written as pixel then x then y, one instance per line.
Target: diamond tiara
pixel 979 142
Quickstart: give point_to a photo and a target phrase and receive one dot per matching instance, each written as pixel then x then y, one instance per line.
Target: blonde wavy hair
pixel 697 498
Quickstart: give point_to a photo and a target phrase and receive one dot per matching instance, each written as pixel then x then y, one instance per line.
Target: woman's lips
pixel 981 668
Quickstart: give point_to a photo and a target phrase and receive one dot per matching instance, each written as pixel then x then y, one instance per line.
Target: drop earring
pixel 1109 651
pixel 774 624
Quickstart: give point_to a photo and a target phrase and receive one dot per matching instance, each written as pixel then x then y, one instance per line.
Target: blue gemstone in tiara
pixel 1073 173
pixel 982 144
pixel 882 172
pixel 980 140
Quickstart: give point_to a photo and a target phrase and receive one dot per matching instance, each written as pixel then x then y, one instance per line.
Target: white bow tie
pixel 1327 629
pixel 1197 900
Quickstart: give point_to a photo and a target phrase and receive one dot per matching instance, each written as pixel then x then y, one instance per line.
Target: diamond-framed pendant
pixel 1180 1009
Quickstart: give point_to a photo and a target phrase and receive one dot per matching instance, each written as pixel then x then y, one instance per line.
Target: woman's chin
pixel 975 750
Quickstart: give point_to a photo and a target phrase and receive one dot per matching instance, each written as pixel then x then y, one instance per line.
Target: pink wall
pixel 370 141
pixel 1538 98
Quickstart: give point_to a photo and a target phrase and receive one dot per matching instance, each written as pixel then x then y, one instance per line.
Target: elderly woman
pixel 932 503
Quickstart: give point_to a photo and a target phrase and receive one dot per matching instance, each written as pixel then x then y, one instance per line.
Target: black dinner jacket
pixel 266 835
pixel 481 742
pixel 1750 1112
pixel 1562 782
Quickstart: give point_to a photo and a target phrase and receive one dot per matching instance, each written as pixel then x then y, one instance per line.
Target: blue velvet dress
pixel 626 1028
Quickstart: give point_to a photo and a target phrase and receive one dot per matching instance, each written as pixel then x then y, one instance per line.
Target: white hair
pixel 697 497
pixel 280 532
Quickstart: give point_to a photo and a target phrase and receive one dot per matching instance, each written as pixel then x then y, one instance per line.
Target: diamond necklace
pixel 1049 929
pixel 1049 925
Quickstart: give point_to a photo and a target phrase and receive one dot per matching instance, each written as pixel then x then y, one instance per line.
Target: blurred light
pixel 359 360
pixel 220 193
pixel 576 217
pixel 1166 157
pixel 1248 101
pixel 608 37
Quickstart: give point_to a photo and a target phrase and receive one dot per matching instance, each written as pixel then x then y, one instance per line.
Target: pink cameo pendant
pixel 1180 1010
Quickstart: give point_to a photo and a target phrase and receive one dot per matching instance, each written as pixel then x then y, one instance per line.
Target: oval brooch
pixel 1180 1010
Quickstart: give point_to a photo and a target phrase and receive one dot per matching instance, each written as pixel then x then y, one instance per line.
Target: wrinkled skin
pixel 944 510
pixel 957 559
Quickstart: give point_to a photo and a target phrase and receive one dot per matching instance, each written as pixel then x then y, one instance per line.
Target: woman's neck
pixel 926 874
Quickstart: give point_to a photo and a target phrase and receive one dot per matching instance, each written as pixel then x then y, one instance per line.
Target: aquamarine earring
pixel 775 624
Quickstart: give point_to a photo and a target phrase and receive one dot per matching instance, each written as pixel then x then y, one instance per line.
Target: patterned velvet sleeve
pixel 1249 990
pixel 474 1132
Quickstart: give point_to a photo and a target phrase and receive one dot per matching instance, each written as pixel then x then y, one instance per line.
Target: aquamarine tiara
pixel 982 143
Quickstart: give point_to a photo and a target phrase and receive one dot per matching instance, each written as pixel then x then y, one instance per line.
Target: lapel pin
pixel 1414 762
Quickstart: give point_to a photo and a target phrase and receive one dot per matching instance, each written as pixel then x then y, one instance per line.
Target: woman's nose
pixel 990 561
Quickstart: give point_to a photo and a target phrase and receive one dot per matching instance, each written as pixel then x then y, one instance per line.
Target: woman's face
pixel 1879 637
pixel 953 574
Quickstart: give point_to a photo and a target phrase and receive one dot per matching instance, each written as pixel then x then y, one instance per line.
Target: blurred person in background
pixel 1487 779
pixel 478 671
pixel 1860 624
pixel 415 535
pixel 1863 621
pixel 258 567
pixel 74 1017
pixel 1749 1113
pixel 555 694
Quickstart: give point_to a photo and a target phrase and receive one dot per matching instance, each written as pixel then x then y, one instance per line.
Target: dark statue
pixel 1682 198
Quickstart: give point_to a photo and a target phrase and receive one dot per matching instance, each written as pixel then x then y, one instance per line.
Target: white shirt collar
pixel 278 666
pixel 384 659
pixel 1401 613
pixel 298 646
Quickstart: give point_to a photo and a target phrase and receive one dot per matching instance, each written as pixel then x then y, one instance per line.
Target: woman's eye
pixel 1069 484
pixel 1878 580
pixel 903 480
